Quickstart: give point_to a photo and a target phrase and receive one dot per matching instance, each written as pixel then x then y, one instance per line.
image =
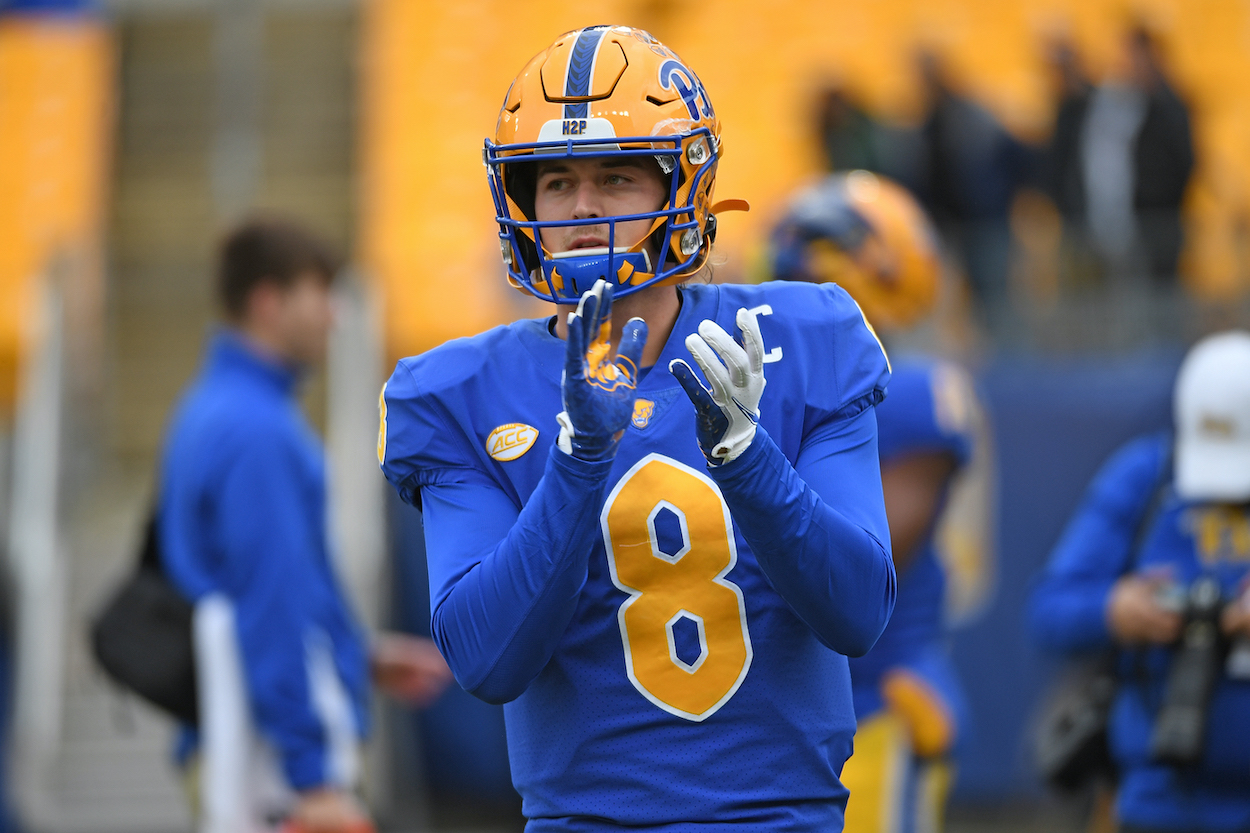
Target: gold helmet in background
pixel 867 234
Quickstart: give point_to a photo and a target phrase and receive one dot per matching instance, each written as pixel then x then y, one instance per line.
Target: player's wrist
pixel 746 460
pixel 735 443
pixel 590 447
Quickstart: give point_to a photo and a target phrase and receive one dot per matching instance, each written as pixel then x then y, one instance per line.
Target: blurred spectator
pixel 854 140
pixel 1163 159
pixel 972 168
pixel 1156 565
pixel 848 133
pixel 283 667
pixel 1062 175
pixel 1137 157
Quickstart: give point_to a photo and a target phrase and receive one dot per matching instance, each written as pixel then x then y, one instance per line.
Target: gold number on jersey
pixel 382 426
pixel 664 587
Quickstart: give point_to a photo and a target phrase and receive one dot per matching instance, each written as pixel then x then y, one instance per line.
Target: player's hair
pixel 273 250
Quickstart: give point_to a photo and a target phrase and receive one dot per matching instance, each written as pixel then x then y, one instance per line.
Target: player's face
pixel 305 313
pixel 580 189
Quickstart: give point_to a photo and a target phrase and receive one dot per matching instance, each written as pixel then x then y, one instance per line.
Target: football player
pixel 866 233
pixel 660 577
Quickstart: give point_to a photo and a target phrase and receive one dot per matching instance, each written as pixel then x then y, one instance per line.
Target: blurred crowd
pixel 1114 170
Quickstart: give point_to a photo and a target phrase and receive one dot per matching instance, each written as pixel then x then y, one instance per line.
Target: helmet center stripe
pixel 581 70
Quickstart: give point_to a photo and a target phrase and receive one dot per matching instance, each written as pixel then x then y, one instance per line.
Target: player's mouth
pixel 589 243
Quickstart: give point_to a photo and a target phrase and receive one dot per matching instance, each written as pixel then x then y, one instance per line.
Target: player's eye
pixel 554 182
pixel 616 179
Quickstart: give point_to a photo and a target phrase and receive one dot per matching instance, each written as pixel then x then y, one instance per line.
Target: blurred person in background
pixel 970 170
pixel 1137 158
pixel 853 139
pixel 284 667
pixel 849 134
pixel 1155 563
pixel 868 235
pixel 1062 175
pixel 660 582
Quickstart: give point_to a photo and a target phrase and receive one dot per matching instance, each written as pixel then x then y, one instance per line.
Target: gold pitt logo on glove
pixel 608 375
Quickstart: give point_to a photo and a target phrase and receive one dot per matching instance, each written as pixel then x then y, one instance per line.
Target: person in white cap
pixel 1155 564
pixel 1213 420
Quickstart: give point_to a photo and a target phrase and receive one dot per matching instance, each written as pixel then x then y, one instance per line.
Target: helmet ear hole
pixel 528 252
pixel 520 181
pixel 520 184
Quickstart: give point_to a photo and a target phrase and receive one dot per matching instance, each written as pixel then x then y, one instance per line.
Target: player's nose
pixel 588 201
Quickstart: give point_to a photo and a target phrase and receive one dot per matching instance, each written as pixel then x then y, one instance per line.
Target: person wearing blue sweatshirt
pixel 1165 515
pixel 660 581
pixel 282 662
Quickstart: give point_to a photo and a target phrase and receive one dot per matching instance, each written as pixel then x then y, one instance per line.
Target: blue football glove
pixel 727 413
pixel 598 390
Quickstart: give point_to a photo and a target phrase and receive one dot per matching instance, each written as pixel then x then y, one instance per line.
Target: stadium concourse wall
pixel 434 75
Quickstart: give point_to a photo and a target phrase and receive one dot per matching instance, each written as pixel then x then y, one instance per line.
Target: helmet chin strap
pixel 722 206
pixel 577 270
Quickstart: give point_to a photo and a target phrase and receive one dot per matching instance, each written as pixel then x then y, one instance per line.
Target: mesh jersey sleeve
pixel 847 366
pixel 419 442
pixel 1068 606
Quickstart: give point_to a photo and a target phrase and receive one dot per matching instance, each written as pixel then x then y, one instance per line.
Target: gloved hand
pixel 729 412
pixel 598 391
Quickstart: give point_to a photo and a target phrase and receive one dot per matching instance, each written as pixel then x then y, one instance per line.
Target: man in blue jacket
pixel 283 665
pixel 1160 516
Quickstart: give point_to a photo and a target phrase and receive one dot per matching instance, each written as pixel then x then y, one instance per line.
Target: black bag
pixel 1071 743
pixel 1070 747
pixel 143 637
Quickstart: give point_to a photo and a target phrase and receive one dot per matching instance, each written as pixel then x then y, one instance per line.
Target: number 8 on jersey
pixel 666 587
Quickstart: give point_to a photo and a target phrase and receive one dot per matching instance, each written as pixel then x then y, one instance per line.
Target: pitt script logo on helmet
pixel 865 233
pixel 606 91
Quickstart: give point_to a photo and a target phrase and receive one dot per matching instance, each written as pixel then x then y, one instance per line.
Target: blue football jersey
pixel 681 689
pixel 929 409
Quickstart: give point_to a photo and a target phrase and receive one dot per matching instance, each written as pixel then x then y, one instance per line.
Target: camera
pixel 1180 727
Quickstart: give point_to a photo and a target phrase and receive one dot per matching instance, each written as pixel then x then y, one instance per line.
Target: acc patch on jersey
pixel 510 441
